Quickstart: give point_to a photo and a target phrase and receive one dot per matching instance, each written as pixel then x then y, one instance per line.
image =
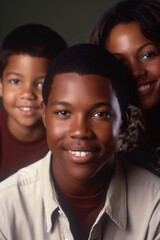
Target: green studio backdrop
pixel 72 19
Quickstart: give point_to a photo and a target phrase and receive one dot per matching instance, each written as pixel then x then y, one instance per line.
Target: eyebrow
pixel 102 104
pixel 96 105
pixel 145 45
pixel 14 73
pixel 139 49
pixel 60 103
pixel 20 75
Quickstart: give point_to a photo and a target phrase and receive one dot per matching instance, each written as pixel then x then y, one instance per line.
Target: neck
pixel 82 211
pixel 83 187
pixel 83 200
pixel 151 120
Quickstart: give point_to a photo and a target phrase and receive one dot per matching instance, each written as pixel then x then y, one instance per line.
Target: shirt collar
pixel 48 191
pixel 115 205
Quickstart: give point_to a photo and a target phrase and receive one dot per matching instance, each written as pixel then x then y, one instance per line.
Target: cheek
pixel 55 131
pixel 9 91
pixel 155 71
pixel 107 134
pixel 154 68
pixel 9 97
pixel 109 137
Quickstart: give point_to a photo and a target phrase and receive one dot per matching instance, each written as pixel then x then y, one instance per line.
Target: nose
pixel 28 93
pixel 137 69
pixel 80 129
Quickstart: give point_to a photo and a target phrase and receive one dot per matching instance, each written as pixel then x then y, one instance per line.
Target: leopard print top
pixel 134 144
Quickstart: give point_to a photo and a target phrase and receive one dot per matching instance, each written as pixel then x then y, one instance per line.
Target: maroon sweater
pixel 15 154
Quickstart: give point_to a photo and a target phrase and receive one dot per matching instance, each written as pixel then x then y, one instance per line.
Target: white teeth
pixel 79 154
pixel 26 108
pixel 143 87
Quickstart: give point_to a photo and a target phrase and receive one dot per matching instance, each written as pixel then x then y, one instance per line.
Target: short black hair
pixel 146 13
pixel 91 59
pixel 33 39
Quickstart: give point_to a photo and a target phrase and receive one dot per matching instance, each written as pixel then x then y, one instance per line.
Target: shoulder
pixel 23 177
pixel 27 177
pixel 140 177
pixel 24 194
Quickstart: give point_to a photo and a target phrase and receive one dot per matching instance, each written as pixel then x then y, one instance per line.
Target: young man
pixel 25 56
pixel 81 190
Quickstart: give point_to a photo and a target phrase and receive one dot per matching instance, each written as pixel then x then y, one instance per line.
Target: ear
pixel 1 87
pixel 43 113
pixel 125 120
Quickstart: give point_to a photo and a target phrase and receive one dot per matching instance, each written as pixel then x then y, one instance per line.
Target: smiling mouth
pixel 28 111
pixel 145 88
pixel 80 153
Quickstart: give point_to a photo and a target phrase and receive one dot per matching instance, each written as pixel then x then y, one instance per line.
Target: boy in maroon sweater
pixel 26 54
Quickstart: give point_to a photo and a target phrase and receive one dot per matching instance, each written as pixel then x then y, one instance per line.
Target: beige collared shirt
pixel 29 208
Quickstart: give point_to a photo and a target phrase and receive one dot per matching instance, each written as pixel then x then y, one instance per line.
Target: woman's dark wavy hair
pixel 144 12
pixel 33 39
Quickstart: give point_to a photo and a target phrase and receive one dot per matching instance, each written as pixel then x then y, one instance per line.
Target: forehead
pixel 125 33
pixel 88 86
pixel 23 63
pixel 26 59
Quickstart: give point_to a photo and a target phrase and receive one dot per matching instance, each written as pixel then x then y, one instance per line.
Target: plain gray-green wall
pixel 72 19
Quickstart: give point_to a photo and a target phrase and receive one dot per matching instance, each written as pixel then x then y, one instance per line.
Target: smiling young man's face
pixel 82 120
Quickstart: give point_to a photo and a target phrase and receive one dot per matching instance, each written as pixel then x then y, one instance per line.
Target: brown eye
pixel 62 112
pixel 147 56
pixel 103 115
pixel 14 81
